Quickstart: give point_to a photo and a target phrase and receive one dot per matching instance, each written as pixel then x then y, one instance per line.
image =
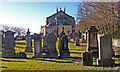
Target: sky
pixel 32 14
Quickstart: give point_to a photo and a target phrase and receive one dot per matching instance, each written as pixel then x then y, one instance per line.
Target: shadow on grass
pixel 76 52
pixel 75 57
pixel 20 47
pixel 20 43
pixel 2 67
pixel 83 45
pixel 12 61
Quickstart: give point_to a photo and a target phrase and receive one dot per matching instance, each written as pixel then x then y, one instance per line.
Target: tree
pixel 104 15
pixel 19 31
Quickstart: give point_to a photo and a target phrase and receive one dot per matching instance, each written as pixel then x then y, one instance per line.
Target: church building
pixel 55 22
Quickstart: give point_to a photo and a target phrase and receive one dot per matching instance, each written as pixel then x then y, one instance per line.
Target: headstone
pixel 64 50
pixel 92 40
pixel 83 39
pixel 77 41
pixel 75 34
pixel 8 50
pixel 21 55
pixel 44 44
pixel 105 50
pixel 87 59
pixel 60 36
pixel 51 46
pixel 37 46
pixel 0 42
pixel 28 42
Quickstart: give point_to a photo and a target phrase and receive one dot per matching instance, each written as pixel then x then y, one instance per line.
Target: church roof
pixel 60 12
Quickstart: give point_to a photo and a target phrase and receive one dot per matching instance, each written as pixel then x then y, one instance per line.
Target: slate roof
pixel 60 12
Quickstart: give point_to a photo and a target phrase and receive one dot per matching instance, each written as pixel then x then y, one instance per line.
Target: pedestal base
pixel 38 56
pixel 65 55
pixel 8 53
pixel 106 62
pixel 51 55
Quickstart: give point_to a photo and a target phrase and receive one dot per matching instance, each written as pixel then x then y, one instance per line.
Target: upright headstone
pixel 51 46
pixel 68 35
pixel 0 42
pixel 44 44
pixel 37 46
pixel 28 42
pixel 60 36
pixel 92 40
pixel 8 50
pixel 105 50
pixel 64 50
pixel 75 34
pixel 83 39
pixel 87 59
pixel 77 41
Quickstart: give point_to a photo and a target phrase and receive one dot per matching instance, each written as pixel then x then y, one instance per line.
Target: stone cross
pixel 51 46
pixel 64 50
pixel 9 43
pixel 37 46
pixel 28 42
pixel 105 50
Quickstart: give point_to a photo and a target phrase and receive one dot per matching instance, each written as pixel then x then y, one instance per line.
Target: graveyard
pixel 59 54
pixel 88 41
pixel 73 63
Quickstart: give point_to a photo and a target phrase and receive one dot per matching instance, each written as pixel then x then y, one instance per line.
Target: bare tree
pixel 18 30
pixel 104 15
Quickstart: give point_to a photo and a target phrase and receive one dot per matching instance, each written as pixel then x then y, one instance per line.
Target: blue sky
pixel 32 14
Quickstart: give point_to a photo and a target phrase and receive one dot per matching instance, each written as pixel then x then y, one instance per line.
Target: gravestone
pixel 44 44
pixel 21 55
pixel 8 50
pixel 77 41
pixel 0 42
pixel 92 40
pixel 51 51
pixel 64 50
pixel 87 59
pixel 37 46
pixel 68 35
pixel 60 36
pixel 28 42
pixel 105 50
pixel 75 34
pixel 83 39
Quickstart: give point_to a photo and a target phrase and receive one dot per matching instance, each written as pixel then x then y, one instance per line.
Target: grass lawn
pixel 73 63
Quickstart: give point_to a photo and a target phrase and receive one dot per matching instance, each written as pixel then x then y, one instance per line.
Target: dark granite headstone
pixel 64 50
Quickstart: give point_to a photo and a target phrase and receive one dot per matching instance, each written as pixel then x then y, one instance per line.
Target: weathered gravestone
pixel 92 40
pixel 60 36
pixel 28 42
pixel 77 41
pixel 51 51
pixel 0 42
pixel 8 50
pixel 44 44
pixel 87 59
pixel 83 39
pixel 64 50
pixel 37 46
pixel 21 55
pixel 75 34
pixel 105 50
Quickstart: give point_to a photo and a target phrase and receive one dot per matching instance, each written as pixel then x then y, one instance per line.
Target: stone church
pixel 55 22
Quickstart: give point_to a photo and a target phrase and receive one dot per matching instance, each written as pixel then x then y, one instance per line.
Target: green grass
pixel 73 63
